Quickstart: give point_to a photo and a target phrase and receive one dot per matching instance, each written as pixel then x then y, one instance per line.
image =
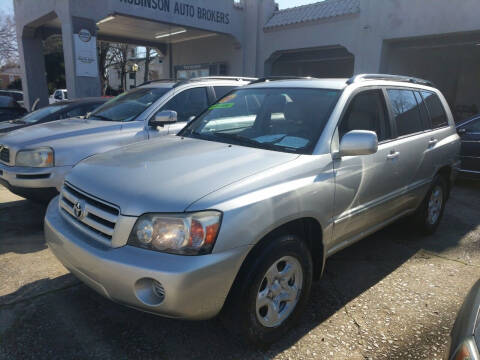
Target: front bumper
pixel 195 287
pixel 33 178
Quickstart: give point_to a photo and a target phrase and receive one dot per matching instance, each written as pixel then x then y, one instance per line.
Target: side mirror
pixel 163 118
pixel 462 131
pixel 358 142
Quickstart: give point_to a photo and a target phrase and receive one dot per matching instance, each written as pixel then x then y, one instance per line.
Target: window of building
pixel 406 111
pixel 436 110
pixel 367 111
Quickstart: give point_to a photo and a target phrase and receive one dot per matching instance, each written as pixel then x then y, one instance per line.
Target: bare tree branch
pixel 8 40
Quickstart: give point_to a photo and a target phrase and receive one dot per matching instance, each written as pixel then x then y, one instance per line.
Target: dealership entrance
pixel 451 62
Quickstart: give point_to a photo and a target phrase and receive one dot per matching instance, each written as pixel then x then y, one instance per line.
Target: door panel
pixel 470 153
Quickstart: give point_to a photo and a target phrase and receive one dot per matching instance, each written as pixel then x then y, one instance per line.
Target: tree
pixel 117 56
pixel 8 40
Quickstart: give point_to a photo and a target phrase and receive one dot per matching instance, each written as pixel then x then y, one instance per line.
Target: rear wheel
pixel 271 291
pixel 431 210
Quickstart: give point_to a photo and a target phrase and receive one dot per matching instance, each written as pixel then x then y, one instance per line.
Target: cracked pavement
pixel 394 295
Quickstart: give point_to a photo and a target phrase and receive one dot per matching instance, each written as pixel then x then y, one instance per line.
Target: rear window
pixel 437 113
pixel 406 111
pixel 221 91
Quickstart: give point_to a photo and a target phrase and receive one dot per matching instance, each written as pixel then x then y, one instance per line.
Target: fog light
pixel 150 291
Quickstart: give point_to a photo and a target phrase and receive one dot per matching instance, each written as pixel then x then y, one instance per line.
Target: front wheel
pixel 431 210
pixel 271 291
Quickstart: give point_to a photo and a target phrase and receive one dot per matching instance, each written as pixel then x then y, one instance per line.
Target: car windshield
pixel 127 106
pixel 280 119
pixel 40 114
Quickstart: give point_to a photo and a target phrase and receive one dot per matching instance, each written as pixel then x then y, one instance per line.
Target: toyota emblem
pixel 79 209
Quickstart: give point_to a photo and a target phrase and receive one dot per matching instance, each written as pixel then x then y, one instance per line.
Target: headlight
pixel 42 157
pixel 183 234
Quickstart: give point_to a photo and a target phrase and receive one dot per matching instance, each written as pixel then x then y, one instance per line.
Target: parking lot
pixel 392 296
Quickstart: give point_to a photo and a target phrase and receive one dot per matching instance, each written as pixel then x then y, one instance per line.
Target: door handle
pixel 433 142
pixel 393 155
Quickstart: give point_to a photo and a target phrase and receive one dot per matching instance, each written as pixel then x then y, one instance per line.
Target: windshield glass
pixel 40 114
pixel 127 106
pixel 289 120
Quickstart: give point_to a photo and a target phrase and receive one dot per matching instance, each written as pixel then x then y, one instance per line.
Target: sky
pixel 7 5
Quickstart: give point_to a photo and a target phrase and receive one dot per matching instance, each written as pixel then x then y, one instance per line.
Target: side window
pixel 221 91
pixel 188 103
pixel 367 111
pixel 57 95
pixel 406 111
pixel 436 110
pixel 423 110
pixel 473 127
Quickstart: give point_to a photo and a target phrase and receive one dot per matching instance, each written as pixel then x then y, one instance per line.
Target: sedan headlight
pixel 183 234
pixel 41 157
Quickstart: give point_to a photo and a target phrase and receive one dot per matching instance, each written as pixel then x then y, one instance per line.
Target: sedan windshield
pixel 40 114
pixel 127 106
pixel 289 120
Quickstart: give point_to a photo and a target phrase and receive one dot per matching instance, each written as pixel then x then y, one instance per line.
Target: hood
pixel 8 126
pixel 170 173
pixel 46 134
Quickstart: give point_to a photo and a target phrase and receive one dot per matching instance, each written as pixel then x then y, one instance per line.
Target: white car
pixel 58 95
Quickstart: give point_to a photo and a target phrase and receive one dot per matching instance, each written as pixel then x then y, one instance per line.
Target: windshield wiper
pixel 100 117
pixel 242 139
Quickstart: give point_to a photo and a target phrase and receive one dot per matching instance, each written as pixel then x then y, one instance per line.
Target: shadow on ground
pixel 74 322
pixel 21 224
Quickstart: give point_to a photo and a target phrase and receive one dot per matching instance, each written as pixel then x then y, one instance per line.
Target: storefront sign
pixel 85 54
pixel 183 9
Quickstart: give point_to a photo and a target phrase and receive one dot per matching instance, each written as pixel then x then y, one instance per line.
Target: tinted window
pixel 7 101
pixel 188 103
pixel 473 127
pixel 280 119
pixel 423 110
pixel 435 108
pixel 129 105
pixel 221 91
pixel 367 111
pixel 406 111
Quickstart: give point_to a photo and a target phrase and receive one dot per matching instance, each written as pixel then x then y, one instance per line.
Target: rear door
pixel 470 153
pixel 415 143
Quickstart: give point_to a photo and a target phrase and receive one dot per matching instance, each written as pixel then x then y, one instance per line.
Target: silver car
pixel 34 161
pixel 239 212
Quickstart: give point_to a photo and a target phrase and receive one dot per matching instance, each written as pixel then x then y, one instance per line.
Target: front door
pixel 187 103
pixel 470 153
pixel 365 185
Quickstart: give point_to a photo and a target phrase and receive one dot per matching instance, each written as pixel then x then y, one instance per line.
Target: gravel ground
pixel 394 295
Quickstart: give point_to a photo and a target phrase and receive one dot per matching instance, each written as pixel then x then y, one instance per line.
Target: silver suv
pixel 34 161
pixel 240 211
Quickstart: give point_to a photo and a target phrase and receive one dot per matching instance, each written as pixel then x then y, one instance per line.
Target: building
pixel 8 74
pixel 434 39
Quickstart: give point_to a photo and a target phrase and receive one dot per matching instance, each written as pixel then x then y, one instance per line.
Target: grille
pixel 5 154
pixel 93 216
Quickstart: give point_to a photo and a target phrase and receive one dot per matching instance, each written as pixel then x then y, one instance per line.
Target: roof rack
pixel 279 78
pixel 399 78
pixel 186 81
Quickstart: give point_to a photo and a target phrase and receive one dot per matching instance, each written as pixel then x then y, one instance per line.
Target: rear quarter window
pixel 438 117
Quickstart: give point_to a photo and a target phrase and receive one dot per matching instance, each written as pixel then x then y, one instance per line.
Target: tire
pixel 430 212
pixel 265 321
